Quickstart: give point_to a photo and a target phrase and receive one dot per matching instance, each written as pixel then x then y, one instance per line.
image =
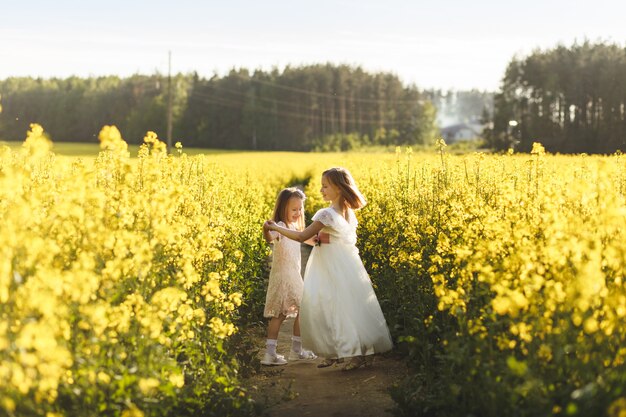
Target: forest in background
pixel 571 99
pixel 320 107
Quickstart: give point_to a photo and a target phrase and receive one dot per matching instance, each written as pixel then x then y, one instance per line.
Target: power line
pixel 239 105
pixel 326 95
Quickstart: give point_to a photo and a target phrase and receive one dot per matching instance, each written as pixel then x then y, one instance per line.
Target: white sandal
pixel 275 360
pixel 329 362
pixel 303 355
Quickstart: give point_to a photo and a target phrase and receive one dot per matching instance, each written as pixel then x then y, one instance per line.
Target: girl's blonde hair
pixel 341 178
pixel 280 209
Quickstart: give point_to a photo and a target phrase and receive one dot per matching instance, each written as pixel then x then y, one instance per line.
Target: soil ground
pixel 301 389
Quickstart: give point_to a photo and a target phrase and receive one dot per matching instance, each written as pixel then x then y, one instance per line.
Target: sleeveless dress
pixel 284 290
pixel 340 315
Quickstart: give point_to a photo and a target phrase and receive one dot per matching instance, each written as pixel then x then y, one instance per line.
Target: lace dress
pixel 340 315
pixel 284 290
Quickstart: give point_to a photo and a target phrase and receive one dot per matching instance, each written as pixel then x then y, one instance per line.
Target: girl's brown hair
pixel 341 178
pixel 280 209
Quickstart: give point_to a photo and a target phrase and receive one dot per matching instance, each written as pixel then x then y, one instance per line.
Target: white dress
pixel 340 315
pixel 284 290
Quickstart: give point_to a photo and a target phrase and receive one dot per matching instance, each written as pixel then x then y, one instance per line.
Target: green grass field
pixel 92 149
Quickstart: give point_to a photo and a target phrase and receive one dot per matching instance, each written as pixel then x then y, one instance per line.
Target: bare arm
pixel 321 237
pixel 302 236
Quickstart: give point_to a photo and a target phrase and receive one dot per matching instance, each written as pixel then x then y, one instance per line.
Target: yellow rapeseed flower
pixel 235 298
pixel 104 378
pixel 148 386
pixel 617 408
pixel 111 139
pixel 37 143
pixel 132 411
pixel 538 149
pixel 221 329
pixel 177 379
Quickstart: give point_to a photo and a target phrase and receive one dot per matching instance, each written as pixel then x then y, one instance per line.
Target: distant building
pixel 461 131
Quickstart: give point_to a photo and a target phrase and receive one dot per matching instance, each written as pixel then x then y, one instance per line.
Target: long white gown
pixel 339 315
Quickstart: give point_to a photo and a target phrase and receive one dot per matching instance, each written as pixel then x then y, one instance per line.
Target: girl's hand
pixel 323 237
pixel 269 225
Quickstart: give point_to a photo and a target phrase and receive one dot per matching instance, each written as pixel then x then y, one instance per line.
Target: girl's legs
pixel 296 326
pixel 297 352
pixel 274 326
pixel 270 357
pixel 296 343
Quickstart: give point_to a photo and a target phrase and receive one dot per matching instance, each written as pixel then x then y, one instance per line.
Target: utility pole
pixel 169 100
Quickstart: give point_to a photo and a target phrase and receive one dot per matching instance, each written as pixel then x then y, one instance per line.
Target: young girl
pixel 339 316
pixel 284 291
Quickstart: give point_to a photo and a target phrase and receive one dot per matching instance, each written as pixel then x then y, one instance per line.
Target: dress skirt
pixel 340 315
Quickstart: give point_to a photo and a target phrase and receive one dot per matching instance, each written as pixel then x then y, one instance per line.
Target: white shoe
pixel 275 360
pixel 303 355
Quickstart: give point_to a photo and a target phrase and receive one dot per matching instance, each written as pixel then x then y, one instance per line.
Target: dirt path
pixel 301 389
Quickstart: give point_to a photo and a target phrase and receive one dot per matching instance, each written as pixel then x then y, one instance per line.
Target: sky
pixel 447 44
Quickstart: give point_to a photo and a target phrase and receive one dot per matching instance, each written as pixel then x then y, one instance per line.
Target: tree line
pixel 571 99
pixel 317 107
